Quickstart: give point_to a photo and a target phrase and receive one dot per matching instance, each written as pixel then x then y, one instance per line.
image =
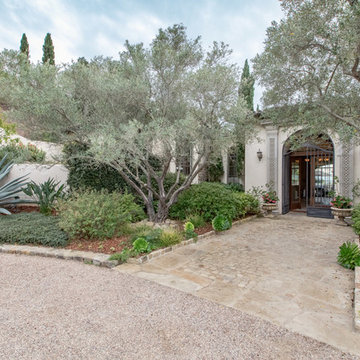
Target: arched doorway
pixel 308 175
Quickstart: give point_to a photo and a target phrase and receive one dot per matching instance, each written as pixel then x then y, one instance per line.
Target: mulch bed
pixel 23 208
pixel 106 246
pixel 204 229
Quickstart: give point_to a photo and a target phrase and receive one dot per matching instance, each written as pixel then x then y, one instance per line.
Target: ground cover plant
pixel 19 153
pixel 221 223
pixel 32 228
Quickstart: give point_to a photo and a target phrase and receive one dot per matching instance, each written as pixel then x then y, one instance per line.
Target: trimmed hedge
pixel 31 228
pixel 211 199
pixel 356 220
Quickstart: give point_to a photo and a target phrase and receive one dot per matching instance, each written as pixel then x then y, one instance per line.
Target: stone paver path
pixel 282 269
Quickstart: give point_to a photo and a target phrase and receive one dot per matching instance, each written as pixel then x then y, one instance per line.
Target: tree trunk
pixel 162 213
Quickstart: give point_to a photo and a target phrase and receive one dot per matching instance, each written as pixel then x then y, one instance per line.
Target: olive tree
pixel 310 67
pixel 139 114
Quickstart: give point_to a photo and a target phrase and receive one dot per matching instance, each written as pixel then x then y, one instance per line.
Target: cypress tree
pixel 48 50
pixel 24 46
pixel 246 88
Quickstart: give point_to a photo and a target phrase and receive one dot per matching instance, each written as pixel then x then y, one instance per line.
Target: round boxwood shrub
pixel 221 223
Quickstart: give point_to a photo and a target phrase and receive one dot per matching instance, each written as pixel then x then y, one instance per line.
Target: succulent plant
pixel 9 190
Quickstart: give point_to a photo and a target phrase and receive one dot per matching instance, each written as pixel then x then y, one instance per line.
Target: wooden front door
pixel 295 183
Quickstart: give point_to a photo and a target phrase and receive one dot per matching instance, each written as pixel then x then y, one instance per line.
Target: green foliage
pixel 309 67
pixel 235 187
pixel 88 174
pixel 123 256
pixel 221 223
pixel 197 220
pixel 207 200
pixel 251 203
pixel 9 191
pixel 349 255
pixel 170 237
pixel 91 214
pixel 5 130
pixel 24 46
pixel 356 219
pixel 48 50
pixel 189 230
pixel 20 153
pixel 247 88
pixel 140 245
pixel 45 194
pixel 215 171
pixel 32 228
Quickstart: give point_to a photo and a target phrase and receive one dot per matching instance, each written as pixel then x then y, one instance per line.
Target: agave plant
pixel 349 255
pixel 9 190
pixel 45 194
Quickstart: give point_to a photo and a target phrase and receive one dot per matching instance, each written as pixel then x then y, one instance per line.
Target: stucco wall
pixel 38 173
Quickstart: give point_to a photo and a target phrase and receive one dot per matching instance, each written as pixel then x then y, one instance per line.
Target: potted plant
pixel 270 200
pixel 341 207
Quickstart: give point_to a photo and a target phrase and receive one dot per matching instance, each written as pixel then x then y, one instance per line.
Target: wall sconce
pixel 259 155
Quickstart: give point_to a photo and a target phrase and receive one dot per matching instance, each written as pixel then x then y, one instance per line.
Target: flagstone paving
pixel 282 269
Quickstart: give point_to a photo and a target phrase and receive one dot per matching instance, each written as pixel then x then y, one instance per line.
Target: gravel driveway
pixel 56 309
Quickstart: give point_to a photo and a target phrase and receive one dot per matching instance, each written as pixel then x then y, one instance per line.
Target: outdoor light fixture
pixel 259 155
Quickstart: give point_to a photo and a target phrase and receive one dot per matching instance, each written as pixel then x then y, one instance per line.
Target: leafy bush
pixel 207 200
pixel 356 219
pixel 349 255
pixel 221 223
pixel 92 214
pixel 87 174
pixel 32 228
pixel 189 230
pixel 236 187
pixel 45 194
pixel 197 220
pixel 246 204
pixel 20 153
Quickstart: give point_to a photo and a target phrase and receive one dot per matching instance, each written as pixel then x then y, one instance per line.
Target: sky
pixel 100 27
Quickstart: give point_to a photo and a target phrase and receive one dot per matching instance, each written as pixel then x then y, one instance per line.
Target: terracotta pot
pixel 341 214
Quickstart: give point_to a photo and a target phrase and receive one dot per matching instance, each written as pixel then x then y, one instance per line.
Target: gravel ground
pixel 56 309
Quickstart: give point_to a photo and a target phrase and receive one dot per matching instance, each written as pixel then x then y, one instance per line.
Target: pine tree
pixel 24 46
pixel 246 88
pixel 48 50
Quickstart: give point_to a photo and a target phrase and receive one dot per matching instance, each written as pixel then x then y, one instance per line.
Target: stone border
pixel 161 252
pixel 87 257
pixel 357 299
pixel 99 259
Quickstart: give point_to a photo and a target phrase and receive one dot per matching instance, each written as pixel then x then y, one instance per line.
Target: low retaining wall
pixel 357 299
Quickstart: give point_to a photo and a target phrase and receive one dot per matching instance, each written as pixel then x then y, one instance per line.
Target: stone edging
pixel 157 253
pixel 357 299
pixel 83 256
pixel 98 259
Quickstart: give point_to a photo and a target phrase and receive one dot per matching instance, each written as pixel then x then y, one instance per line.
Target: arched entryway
pixel 308 175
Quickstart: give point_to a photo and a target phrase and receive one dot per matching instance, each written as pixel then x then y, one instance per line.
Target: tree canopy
pixel 24 46
pixel 152 103
pixel 247 86
pixel 310 66
pixel 48 50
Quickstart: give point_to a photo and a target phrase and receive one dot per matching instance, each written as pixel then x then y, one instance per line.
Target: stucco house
pixel 303 178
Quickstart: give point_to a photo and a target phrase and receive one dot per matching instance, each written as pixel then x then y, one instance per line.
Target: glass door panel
pixel 295 188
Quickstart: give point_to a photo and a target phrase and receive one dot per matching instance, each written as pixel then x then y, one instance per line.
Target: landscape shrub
pixel 221 223
pixel 189 230
pixel 45 194
pixel 92 214
pixel 349 255
pixel 18 153
pixel 207 200
pixel 32 228
pixel 356 220
pixel 170 237
pixel 140 245
pixel 236 187
pixel 246 204
pixel 197 220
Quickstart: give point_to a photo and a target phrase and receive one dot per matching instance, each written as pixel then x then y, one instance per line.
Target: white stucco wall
pixel 38 173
